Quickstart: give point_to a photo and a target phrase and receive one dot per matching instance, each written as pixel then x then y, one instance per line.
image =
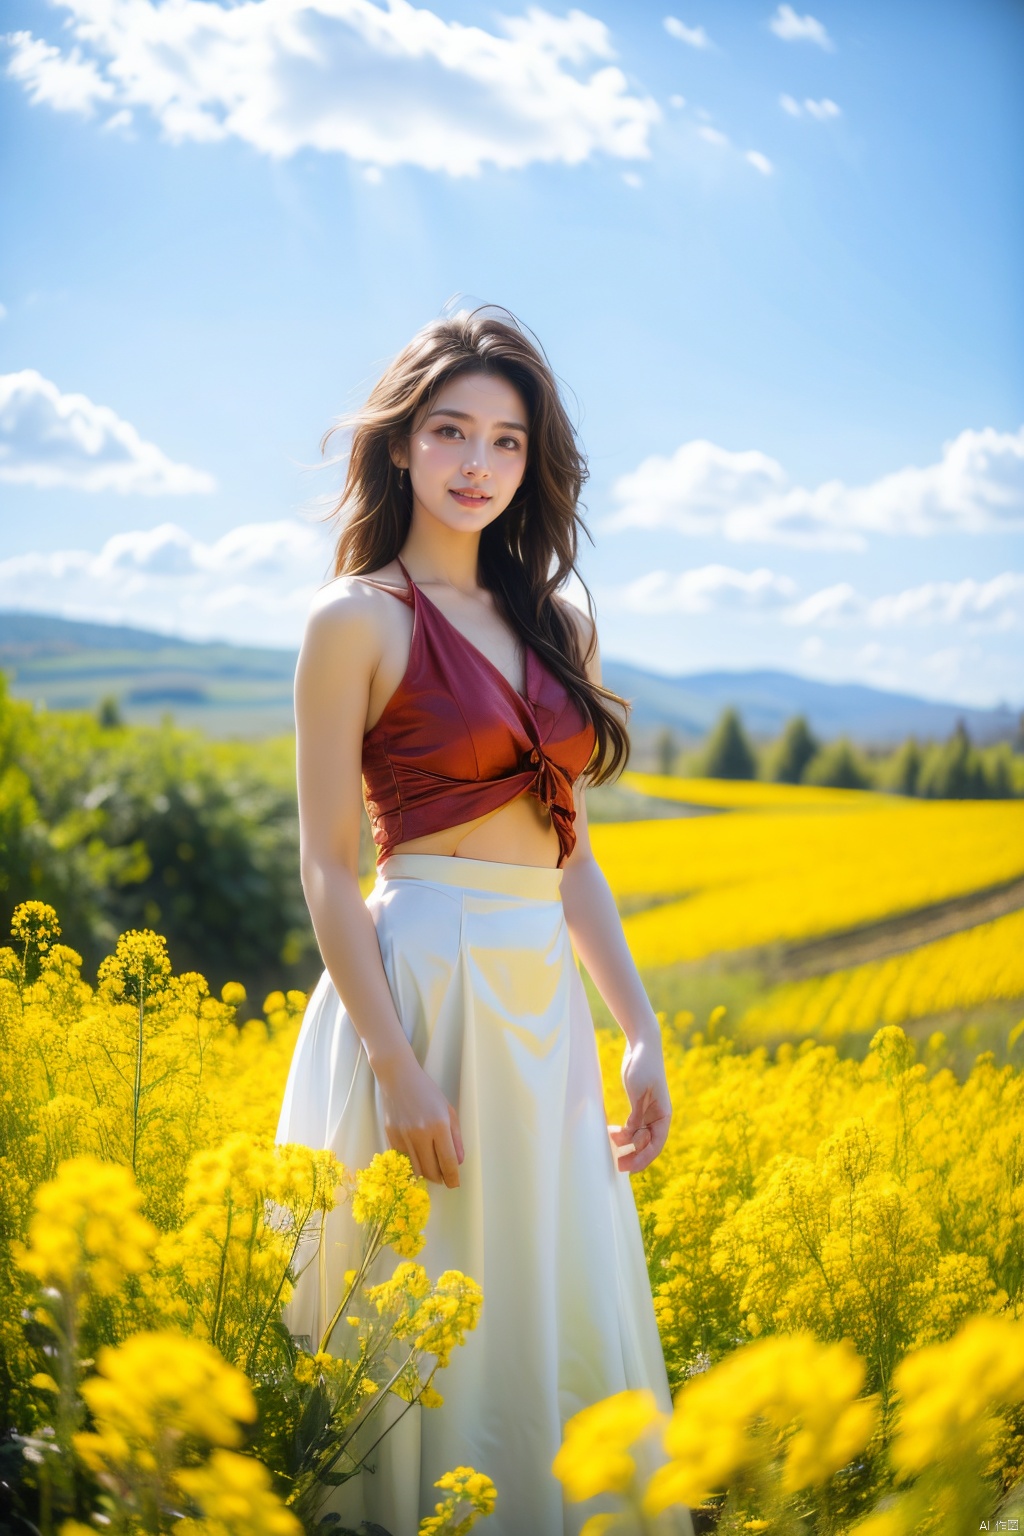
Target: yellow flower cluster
pixel 155 1391
pixel 236 1498
pixel 34 927
pixel 144 1205
pixel 776 1420
pixel 861 1200
pixel 961 971
pixel 760 874
pixel 949 1391
pixel 139 968
pixel 86 1231
pixel 247 1206
pixel 435 1317
pixel 389 1199
pixel 596 1452
pixel 799 1396
pixel 470 1494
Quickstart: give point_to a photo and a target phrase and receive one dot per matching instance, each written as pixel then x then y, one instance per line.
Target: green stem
pixel 273 1304
pixel 137 1094
pixel 372 1250
pixel 215 1324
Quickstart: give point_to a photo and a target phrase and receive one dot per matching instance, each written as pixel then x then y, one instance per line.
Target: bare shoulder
pixel 586 633
pixel 347 612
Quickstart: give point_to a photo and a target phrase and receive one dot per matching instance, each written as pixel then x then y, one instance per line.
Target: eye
pixel 509 442
pixel 448 428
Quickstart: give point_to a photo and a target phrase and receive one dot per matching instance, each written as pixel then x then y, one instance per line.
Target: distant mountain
pixel 247 690
pixel 690 703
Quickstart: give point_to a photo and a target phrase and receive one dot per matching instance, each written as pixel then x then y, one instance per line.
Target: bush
pixel 137 827
pixel 728 754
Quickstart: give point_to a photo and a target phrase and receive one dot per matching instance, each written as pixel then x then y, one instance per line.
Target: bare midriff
pixel 517 833
pixel 520 832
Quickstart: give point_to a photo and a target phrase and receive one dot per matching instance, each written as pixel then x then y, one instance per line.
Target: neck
pixel 433 552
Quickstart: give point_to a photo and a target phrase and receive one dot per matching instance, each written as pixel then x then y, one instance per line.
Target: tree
pixel 108 712
pixel 838 767
pixel 728 754
pixel 954 771
pixel 793 751
pixel 904 772
pixel 666 750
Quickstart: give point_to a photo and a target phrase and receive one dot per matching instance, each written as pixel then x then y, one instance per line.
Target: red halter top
pixel 456 740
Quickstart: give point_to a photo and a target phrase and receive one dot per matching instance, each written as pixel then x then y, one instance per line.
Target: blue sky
pixel 775 253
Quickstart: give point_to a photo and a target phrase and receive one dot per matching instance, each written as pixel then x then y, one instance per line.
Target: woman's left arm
pixel 597 937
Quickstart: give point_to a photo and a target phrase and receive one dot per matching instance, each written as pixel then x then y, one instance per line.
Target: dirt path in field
pixel 895 935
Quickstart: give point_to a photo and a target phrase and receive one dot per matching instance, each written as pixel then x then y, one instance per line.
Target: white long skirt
pixel 480 965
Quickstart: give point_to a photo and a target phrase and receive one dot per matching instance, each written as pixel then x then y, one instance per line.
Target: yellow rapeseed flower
pixel 594 1454
pixel 391 1200
pixel 87 1229
pixel 792 1384
pixel 35 925
pixel 470 1495
pixel 157 1389
pixel 236 1498
pixel 447 1314
pixel 950 1390
pixel 139 969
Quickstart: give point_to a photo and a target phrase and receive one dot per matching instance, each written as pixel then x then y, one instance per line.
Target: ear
pixel 398 448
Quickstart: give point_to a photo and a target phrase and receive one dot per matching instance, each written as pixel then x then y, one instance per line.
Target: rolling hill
pixel 233 690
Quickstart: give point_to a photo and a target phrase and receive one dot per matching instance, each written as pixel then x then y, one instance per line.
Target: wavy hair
pixel 528 552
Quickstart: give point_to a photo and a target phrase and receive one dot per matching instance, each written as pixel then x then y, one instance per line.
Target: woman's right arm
pixel 340 652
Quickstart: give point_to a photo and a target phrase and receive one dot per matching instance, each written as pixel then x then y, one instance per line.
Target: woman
pixel 441 668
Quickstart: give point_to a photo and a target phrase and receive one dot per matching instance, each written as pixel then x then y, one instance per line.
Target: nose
pixel 475 464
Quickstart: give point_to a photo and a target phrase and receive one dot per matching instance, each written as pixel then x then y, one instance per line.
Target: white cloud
pixel 49 439
pixel 765 596
pixel 694 490
pixel 760 162
pixel 65 82
pixel 713 135
pixel 677 101
pixel 976 486
pixel 996 604
pixel 821 110
pixel 701 590
pixel 632 179
pixel 3 311
pixel 252 585
pixel 799 29
pixel 386 87
pixel 694 37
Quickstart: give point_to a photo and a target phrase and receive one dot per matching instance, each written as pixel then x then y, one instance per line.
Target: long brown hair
pixel 528 552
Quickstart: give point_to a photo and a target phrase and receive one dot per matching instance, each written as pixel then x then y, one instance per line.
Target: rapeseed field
pixel 804 863
pixel 835 1238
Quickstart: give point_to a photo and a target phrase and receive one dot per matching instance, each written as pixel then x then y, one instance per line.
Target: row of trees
pixel 950 770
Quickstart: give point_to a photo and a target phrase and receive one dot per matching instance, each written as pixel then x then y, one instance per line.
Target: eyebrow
pixel 443 410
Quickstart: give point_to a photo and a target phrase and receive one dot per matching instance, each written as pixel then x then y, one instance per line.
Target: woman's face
pixel 467 451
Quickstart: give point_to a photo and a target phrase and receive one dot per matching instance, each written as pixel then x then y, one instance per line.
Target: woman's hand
pixel 646 1130
pixel 420 1122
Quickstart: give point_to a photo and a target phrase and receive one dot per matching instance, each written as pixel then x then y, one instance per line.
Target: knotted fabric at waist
pixel 553 788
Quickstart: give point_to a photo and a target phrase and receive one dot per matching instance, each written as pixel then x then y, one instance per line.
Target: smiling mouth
pixel 477 498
